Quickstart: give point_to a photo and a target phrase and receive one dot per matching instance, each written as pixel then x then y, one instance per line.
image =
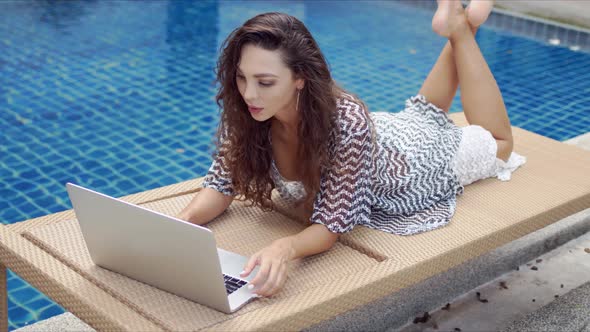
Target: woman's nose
pixel 250 93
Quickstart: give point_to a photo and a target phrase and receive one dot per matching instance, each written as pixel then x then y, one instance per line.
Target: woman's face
pixel 266 83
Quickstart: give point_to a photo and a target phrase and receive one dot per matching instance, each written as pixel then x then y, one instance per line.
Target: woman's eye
pixel 263 84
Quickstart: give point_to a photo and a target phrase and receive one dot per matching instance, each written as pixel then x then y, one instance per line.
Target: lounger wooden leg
pixel 3 299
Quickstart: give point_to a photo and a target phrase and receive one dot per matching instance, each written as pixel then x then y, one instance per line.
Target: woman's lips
pixel 254 110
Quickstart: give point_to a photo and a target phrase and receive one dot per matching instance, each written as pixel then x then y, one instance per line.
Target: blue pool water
pixel 118 95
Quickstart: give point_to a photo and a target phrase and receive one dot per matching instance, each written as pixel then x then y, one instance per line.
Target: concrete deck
pixel 573 12
pixel 550 292
pixel 569 313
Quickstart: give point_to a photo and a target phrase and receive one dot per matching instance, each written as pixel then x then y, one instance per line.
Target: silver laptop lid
pixel 159 250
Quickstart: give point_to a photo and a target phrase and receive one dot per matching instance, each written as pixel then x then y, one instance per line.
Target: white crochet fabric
pixel 291 191
pixel 476 157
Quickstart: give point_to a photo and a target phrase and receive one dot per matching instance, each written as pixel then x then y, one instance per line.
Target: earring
pixel 297 104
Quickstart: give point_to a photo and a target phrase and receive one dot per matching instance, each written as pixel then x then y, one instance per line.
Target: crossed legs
pixel 462 64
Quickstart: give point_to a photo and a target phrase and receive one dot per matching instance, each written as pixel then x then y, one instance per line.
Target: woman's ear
pixel 299 83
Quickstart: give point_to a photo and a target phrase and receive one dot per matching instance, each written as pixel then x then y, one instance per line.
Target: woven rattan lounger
pixel 364 266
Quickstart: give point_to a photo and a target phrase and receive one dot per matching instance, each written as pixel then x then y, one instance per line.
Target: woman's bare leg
pixel 481 98
pixel 440 86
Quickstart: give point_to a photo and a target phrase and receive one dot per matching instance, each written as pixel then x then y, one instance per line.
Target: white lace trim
pixel 505 169
pixel 476 158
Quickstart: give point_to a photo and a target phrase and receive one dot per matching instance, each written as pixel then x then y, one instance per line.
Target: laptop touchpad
pixel 232 264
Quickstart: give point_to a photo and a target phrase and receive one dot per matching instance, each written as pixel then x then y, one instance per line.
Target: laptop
pixel 161 251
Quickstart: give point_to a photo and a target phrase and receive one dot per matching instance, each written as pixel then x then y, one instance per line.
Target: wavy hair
pixel 243 141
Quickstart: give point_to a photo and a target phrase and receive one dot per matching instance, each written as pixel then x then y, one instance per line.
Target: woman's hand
pixel 273 259
pixel 273 262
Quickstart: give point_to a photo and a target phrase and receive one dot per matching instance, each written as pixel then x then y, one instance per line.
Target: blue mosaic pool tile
pixel 49 311
pixel 24 295
pixel 20 315
pixel 4 205
pixel 42 303
pixel 15 283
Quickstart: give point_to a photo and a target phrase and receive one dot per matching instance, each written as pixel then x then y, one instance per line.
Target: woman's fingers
pixel 262 274
pixel 270 282
pixel 272 262
pixel 252 262
pixel 282 277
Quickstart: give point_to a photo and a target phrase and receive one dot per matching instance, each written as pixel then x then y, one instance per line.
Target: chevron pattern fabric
pixel 346 194
pixel 414 183
pixel 400 180
pixel 219 177
pixel 406 185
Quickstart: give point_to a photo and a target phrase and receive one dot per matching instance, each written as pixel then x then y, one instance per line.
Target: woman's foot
pixel 478 11
pixel 448 17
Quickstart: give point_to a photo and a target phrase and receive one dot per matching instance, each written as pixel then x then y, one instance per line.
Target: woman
pixel 285 124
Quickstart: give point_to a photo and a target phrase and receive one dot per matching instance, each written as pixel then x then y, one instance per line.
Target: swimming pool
pixel 118 96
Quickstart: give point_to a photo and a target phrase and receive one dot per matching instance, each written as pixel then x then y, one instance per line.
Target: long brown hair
pixel 245 144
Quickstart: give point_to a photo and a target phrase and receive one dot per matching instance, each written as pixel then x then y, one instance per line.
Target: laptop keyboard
pixel 232 284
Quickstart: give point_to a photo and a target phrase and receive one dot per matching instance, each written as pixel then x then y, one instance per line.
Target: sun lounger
pixel 364 265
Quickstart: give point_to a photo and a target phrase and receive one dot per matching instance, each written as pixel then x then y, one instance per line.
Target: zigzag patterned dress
pixel 399 180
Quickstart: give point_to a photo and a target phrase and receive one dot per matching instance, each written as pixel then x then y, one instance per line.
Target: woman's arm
pixel 274 258
pixel 313 240
pixel 205 206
